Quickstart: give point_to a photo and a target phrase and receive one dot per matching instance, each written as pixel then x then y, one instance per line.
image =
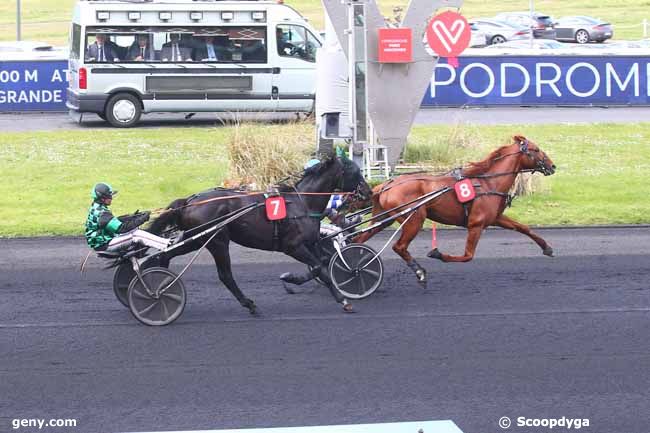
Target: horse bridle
pixel 540 164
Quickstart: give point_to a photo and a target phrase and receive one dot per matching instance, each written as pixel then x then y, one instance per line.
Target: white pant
pixel 328 229
pixel 137 236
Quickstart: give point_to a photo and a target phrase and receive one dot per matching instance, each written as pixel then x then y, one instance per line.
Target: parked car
pixel 583 29
pixel 541 24
pixel 24 50
pixel 498 32
pixel 479 38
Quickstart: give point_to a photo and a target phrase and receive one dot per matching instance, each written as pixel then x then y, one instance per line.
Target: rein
pixel 339 185
pixel 509 173
pixel 160 211
pixel 457 172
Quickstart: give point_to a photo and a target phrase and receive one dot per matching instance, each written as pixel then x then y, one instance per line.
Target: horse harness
pixel 457 175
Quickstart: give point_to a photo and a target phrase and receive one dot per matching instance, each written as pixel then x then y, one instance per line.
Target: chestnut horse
pixel 492 179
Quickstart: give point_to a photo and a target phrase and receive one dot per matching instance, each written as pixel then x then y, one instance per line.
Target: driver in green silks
pixel 105 232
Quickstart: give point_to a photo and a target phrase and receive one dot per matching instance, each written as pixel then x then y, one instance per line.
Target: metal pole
pixel 352 75
pixel 532 11
pixel 18 35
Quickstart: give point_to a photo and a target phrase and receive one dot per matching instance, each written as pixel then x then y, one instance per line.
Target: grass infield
pixel 49 20
pixel 46 177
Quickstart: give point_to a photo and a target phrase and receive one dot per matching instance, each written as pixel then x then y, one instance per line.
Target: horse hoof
pixel 288 289
pixel 435 254
pixel 548 251
pixel 249 305
pixel 347 308
pixel 253 310
pixel 288 277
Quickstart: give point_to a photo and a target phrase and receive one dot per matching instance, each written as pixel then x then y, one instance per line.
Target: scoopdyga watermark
pixel 548 423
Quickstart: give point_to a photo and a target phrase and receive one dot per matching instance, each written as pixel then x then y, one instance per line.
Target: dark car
pixel 541 24
pixel 582 29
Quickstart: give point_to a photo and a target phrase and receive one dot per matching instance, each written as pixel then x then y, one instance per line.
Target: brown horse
pixel 492 179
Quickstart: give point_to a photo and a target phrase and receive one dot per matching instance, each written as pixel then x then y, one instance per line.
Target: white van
pixel 132 57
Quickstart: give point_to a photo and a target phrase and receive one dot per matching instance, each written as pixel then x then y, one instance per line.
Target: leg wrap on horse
pixel 298 279
pixel 301 278
pixel 420 273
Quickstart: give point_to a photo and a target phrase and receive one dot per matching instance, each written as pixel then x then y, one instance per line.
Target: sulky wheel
pixel 327 247
pixel 124 273
pixel 158 308
pixel 359 273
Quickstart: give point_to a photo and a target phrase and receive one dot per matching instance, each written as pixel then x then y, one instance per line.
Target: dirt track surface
pixel 511 334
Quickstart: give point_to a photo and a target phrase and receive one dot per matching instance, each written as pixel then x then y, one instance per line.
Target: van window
pixel 163 45
pixel 75 41
pixel 296 41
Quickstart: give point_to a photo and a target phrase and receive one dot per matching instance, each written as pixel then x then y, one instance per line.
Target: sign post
pixel 18 30
pixel 358 86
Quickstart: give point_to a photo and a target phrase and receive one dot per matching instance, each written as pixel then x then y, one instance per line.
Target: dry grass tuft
pixel 262 155
pixel 442 150
pixel 529 184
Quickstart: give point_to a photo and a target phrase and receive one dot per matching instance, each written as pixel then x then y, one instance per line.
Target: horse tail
pixel 169 217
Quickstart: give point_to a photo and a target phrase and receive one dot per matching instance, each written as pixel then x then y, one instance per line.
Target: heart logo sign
pixel 448 35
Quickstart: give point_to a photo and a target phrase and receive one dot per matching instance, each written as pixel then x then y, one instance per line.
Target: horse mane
pixel 313 171
pixel 480 167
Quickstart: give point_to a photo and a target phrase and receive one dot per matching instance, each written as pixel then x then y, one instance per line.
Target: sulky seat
pixel 108 255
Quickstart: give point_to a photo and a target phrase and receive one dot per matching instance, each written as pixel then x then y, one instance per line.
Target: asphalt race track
pixel 512 334
pixel 435 116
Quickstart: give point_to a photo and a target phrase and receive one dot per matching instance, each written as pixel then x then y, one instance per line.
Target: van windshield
pixel 179 45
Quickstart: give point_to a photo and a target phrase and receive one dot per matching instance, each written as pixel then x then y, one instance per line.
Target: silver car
pixel 583 29
pixel 498 32
pixel 479 38
pixel 541 24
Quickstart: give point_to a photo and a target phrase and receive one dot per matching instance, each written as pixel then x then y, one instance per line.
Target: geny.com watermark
pixel 42 423
pixel 549 423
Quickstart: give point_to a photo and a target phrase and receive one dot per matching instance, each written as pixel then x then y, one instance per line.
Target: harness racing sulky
pixel 288 219
pixel 481 196
pixel 285 219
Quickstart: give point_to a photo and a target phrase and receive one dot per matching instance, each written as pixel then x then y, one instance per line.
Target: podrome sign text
pixel 541 80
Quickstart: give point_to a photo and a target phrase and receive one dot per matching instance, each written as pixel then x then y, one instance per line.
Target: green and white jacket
pixel 101 226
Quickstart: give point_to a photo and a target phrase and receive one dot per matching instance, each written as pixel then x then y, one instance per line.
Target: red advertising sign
pixel 448 34
pixel 464 191
pixel 395 45
pixel 276 209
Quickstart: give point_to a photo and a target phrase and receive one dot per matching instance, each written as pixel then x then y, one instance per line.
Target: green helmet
pixel 102 191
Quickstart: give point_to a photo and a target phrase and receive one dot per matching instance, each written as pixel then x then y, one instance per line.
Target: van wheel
pixel 123 110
